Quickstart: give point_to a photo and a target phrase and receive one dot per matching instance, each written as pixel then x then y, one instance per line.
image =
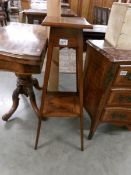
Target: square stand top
pixel 22 39
pixel 67 22
pixel 22 47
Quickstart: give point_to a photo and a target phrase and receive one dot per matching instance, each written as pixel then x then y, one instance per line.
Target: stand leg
pixel 81 132
pixel 37 134
pixel 79 73
pixel 46 76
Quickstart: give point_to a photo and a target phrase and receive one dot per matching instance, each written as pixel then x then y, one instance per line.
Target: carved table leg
pixel 36 84
pixel 25 85
pixel 15 98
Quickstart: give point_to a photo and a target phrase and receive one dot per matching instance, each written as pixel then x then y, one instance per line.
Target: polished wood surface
pixel 107 85
pixel 40 13
pixel 22 45
pixel 97 29
pixel 97 33
pixel 114 55
pixel 77 23
pixel 43 12
pixel 61 104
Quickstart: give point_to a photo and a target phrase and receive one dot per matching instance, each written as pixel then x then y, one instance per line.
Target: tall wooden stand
pixel 65 32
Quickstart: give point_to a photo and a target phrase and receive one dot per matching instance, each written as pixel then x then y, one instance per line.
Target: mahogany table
pixel 22 51
pixel 40 14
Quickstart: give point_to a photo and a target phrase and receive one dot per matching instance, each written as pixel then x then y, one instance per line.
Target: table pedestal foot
pixel 15 98
pixel 36 84
pixel 25 85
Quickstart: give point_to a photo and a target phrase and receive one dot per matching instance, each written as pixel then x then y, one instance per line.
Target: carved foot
pixel 15 98
pixel 25 85
pixel 36 84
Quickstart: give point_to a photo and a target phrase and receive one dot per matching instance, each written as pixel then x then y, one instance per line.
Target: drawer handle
pixel 116 115
pixel 128 76
pixel 125 99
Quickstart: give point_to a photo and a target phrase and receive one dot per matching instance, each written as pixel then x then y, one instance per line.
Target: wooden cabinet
pixel 107 85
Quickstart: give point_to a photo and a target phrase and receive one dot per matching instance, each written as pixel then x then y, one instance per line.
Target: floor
pixel 109 153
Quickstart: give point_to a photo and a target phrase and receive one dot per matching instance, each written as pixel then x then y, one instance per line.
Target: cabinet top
pixel 114 55
pixel 67 22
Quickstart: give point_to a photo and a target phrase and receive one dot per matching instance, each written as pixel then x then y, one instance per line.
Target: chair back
pixel 101 15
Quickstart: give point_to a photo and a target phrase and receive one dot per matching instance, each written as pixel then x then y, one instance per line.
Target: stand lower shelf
pixel 61 104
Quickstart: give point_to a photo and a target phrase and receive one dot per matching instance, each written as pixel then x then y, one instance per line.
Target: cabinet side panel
pixel 97 76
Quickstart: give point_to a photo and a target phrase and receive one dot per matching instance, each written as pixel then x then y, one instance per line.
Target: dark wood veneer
pixel 107 85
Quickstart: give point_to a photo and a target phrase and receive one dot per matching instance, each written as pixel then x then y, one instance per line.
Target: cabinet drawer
pixel 123 77
pixel 117 114
pixel 120 97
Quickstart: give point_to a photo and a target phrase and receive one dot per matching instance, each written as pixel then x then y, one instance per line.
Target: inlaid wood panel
pixel 118 114
pixel 107 85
